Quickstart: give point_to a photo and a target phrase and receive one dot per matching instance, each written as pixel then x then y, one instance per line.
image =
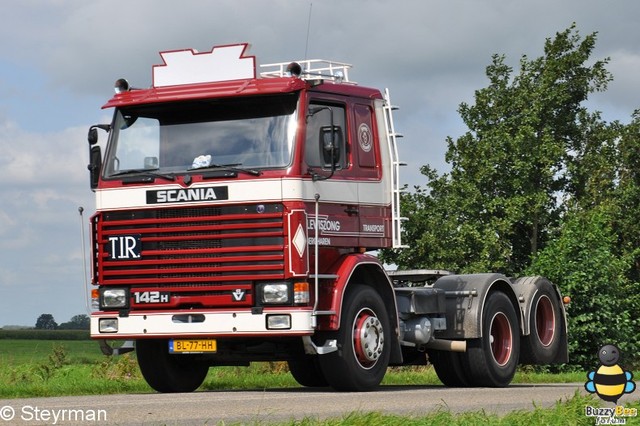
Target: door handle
pixel 350 210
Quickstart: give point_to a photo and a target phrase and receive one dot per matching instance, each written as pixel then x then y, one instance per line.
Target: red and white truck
pixel 236 209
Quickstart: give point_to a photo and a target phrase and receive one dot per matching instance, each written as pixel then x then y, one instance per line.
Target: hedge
pixel 33 334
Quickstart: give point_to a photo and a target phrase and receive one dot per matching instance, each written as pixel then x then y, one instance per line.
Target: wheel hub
pixel 501 340
pixel 545 321
pixel 368 336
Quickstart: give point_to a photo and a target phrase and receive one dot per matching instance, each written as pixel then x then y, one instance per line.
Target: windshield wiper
pixel 149 172
pixel 230 167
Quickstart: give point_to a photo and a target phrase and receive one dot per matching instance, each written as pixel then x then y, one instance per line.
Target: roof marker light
pixel 121 85
pixel 294 69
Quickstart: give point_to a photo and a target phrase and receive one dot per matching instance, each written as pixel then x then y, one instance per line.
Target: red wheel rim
pixel 545 321
pixel 368 338
pixel 501 338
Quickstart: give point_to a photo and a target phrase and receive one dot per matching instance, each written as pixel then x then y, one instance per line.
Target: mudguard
pixel 465 299
pixel 357 269
pixel 526 289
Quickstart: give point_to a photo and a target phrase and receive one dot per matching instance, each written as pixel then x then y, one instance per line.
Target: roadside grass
pixel 570 412
pixel 38 368
pixel 41 368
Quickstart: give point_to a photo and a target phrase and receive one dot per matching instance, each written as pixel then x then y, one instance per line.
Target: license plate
pixel 191 346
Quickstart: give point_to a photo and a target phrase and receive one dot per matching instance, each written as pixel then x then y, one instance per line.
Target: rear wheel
pixel 450 368
pixel 165 372
pixel 545 326
pixel 492 359
pixel 363 339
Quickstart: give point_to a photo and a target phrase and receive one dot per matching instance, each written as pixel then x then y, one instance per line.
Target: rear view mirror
pixel 331 143
pixel 95 166
pixel 92 137
pixel 95 154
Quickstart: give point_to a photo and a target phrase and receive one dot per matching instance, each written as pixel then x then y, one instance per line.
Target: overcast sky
pixel 59 59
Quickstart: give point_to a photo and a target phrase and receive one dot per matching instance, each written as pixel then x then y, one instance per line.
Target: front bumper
pixel 201 323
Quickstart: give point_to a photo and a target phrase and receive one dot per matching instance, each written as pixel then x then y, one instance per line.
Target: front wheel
pixel 165 372
pixel 492 359
pixel 306 370
pixel 363 340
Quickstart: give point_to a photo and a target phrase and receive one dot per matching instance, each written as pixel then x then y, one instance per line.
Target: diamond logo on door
pixel 300 241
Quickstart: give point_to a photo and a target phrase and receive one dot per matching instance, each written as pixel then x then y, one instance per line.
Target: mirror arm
pixel 105 127
pixel 92 137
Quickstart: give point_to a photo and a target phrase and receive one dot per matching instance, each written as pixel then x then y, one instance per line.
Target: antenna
pixel 306 46
pixel 87 295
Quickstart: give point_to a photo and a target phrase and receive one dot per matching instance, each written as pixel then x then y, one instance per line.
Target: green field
pixel 19 352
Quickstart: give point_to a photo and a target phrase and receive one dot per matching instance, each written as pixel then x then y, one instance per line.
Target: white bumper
pixel 204 323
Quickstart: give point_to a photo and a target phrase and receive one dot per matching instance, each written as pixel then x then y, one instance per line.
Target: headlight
pixel 114 298
pixel 275 293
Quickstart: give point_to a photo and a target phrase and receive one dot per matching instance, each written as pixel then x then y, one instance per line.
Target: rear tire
pixel 306 370
pixel 165 372
pixel 449 367
pixel 363 341
pixel 542 344
pixel 492 359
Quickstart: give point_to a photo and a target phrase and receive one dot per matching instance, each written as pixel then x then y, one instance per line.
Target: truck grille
pixel 202 256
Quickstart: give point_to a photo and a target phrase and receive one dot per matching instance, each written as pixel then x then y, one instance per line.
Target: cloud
pixel 44 180
pixel 60 59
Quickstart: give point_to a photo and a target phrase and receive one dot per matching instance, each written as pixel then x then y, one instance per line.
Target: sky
pixel 60 58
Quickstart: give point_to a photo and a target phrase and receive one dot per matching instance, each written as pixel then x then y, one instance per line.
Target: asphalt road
pixel 270 405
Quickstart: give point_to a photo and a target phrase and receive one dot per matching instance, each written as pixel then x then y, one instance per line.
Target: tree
pixel 46 322
pixel 541 185
pixel 583 260
pixel 77 322
pixel 627 194
pixel 512 169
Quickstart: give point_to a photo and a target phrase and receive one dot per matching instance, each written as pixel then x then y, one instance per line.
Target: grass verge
pixel 569 412
pixel 31 368
pixel 38 368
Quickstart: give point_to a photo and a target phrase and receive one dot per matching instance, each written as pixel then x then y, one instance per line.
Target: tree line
pixel 541 185
pixel 77 322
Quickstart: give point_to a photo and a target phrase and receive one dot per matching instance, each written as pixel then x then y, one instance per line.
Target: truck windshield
pixel 248 132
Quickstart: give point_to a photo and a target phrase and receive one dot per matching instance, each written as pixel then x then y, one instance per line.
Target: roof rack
pixel 311 69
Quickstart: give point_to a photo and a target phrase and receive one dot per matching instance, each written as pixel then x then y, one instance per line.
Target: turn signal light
pixel 95 299
pixel 301 292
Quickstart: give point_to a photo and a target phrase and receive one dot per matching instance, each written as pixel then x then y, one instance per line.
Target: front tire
pixel 492 359
pixel 363 340
pixel 165 372
pixel 306 370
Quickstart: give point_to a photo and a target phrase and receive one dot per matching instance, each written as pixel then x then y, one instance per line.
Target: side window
pixel 319 136
pixel 366 150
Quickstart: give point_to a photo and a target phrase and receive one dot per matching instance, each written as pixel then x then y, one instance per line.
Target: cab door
pixel 374 226
pixel 329 162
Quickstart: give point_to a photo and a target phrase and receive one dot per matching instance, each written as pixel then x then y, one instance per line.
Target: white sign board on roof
pixel 189 66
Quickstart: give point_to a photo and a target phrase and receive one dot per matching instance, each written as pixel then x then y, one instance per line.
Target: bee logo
pixel 610 381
